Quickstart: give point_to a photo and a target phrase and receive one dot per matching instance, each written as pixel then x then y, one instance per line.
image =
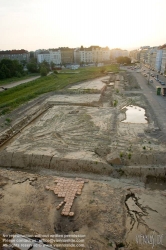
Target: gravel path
pixel 13 84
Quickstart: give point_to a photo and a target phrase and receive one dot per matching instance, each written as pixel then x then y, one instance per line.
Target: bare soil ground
pixel 108 212
pixel 64 136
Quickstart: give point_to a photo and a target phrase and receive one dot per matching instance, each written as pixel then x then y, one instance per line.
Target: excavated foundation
pixel 82 130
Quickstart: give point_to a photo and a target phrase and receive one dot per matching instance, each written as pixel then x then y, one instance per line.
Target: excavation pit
pixel 63 138
pixel 155 183
pixel 75 99
pixel 96 84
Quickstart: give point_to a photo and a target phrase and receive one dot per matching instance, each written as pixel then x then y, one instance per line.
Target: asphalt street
pixel 155 83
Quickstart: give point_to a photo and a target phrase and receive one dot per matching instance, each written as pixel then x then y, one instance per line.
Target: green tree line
pixel 42 68
pixel 10 68
pixel 123 59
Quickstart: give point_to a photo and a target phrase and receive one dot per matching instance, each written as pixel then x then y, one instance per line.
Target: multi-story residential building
pixel 144 56
pixel 153 60
pixel 93 54
pixel 55 56
pixel 114 53
pixel 86 55
pixel 67 55
pixel 39 51
pixel 100 54
pixel 163 63
pixel 159 59
pixel 145 47
pixel 51 55
pixel 125 53
pixel 77 55
pixel 134 55
pixel 151 57
pixel 43 56
pixel 20 55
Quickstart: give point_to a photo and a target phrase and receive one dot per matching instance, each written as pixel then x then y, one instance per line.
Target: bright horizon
pixel 41 24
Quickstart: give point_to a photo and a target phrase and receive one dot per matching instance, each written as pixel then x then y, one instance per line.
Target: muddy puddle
pixel 135 114
pixel 154 183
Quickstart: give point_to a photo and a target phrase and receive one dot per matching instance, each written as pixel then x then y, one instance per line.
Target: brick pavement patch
pixel 67 189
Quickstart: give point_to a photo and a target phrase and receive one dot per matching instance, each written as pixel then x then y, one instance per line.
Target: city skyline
pixel 32 25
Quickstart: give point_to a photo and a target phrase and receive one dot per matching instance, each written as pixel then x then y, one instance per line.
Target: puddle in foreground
pixel 135 114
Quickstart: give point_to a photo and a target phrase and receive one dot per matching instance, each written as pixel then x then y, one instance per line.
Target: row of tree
pixel 10 68
pixel 42 68
pixel 123 59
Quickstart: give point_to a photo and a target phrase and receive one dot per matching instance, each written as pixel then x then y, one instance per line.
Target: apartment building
pixel 43 56
pixel 39 51
pixel 134 55
pixel 86 55
pixel 100 54
pixel 51 55
pixel 67 55
pixel 144 56
pixel 151 57
pixel 163 62
pixel 114 53
pixel 158 59
pixel 154 58
pixel 20 55
pixel 55 56
pixel 92 54
pixel 77 56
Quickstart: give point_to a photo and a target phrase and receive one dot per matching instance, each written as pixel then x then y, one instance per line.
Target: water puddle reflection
pixel 135 114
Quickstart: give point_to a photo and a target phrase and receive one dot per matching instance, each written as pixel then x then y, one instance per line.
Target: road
pixel 157 103
pixel 160 77
pixel 13 84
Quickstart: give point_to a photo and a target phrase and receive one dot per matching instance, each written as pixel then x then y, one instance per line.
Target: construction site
pixel 88 160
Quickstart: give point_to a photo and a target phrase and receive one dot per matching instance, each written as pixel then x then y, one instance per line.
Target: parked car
pixel 162 83
pixel 151 81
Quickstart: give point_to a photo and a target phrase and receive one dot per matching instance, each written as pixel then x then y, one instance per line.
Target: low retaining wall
pixel 143 171
pixel 36 161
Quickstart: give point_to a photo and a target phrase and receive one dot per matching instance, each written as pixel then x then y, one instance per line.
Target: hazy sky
pixel 126 24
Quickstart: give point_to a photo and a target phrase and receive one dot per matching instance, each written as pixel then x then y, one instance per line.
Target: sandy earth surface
pixel 81 134
pixel 108 211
